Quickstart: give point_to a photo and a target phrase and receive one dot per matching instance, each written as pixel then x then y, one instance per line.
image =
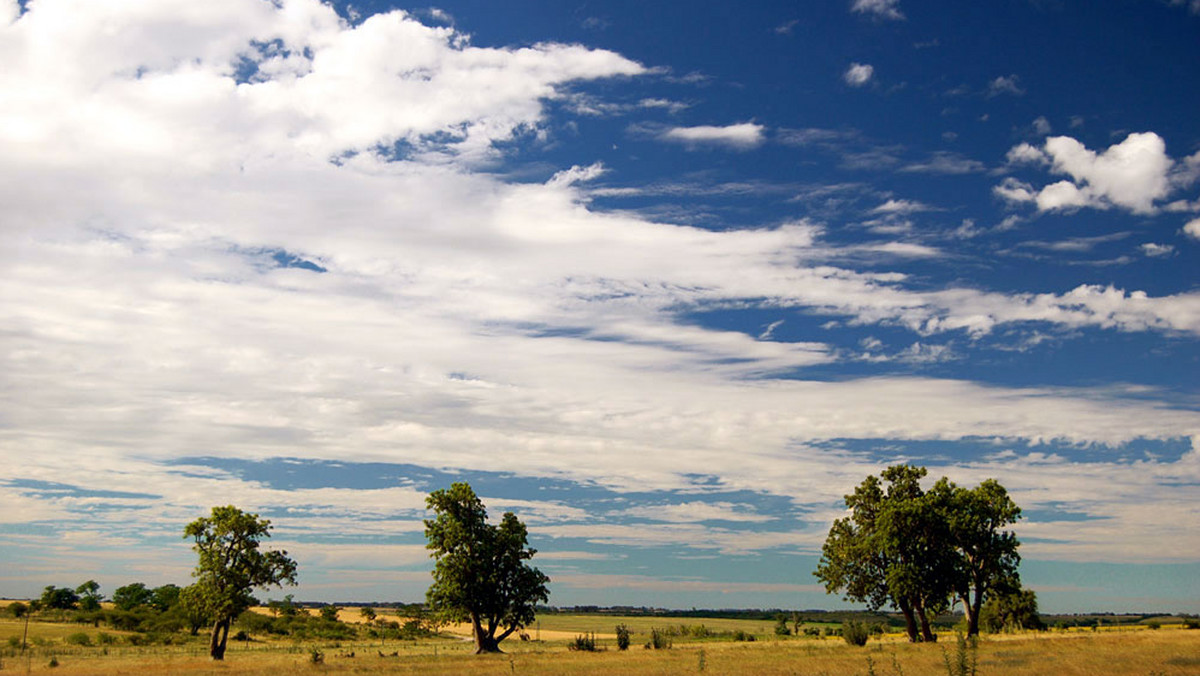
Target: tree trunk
pixel 485 642
pixel 973 613
pixel 220 634
pixel 927 635
pixel 910 623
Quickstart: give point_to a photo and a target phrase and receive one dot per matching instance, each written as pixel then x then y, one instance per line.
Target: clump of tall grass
pixel 966 656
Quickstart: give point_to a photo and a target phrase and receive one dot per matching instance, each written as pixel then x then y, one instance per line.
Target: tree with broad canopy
pixel 480 573
pixel 917 550
pixel 231 566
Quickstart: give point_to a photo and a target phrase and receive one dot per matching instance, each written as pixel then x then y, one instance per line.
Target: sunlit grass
pixel 1140 651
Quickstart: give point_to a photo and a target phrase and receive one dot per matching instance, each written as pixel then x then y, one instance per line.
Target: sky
pixel 666 280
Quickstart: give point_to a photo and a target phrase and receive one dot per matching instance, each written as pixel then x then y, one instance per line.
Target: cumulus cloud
pixel 880 9
pixel 1192 228
pixel 858 74
pixel 1133 174
pixel 740 136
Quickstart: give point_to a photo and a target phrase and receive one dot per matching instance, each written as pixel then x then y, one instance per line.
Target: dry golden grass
pixel 1138 652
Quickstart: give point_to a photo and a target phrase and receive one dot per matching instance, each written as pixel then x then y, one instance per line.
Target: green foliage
pixel 231 565
pixel 59 598
pixel 89 596
pixel 855 632
pixel 781 626
pixel 367 613
pixel 915 550
pixel 966 656
pixel 584 643
pixel 480 572
pixel 743 636
pixel 622 637
pixel 132 595
pixel 1012 610
pixel 660 639
pixel 165 597
pixel 17 609
pixel 330 612
pixel 1191 623
pixel 78 638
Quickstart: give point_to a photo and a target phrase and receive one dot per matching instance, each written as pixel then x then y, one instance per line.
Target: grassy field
pixel 1169 651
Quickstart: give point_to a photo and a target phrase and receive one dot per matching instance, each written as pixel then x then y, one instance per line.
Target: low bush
pixel 659 639
pixel 622 637
pixel 78 638
pixel 584 643
pixel 855 632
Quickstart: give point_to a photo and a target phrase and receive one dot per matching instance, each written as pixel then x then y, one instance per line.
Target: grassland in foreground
pixel 1143 652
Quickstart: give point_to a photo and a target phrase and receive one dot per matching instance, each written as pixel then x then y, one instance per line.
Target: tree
pixel 89 595
pixel 480 574
pixel 231 566
pixel 987 555
pixel 885 552
pixel 192 608
pixel 330 612
pixel 368 614
pixel 59 598
pixel 131 596
pixel 915 549
pixel 165 597
pixel 1011 610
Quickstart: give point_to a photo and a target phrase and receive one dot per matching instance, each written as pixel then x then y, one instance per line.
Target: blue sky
pixel 666 280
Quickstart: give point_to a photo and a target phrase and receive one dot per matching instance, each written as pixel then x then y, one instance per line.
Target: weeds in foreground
pixel 966 656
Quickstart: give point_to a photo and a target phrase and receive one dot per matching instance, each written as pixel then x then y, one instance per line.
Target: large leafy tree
pixel 480 573
pixel 231 566
pixel 987 557
pixel 915 549
pixel 889 550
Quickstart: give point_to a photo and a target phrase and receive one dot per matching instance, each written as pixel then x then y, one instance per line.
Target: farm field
pixel 1169 651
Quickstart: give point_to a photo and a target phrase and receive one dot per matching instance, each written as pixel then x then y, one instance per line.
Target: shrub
pixel 585 643
pixel 855 632
pixel 740 635
pixel 1191 623
pixel 1154 624
pixel 622 637
pixel 316 656
pixel 78 638
pixel 781 626
pixel 659 639
pixel 106 639
pixel 17 609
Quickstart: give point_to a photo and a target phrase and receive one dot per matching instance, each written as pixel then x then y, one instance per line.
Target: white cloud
pixel 858 74
pixel 881 9
pixel 1133 174
pixel 1005 84
pixel 1157 250
pixel 1014 190
pixel 695 512
pixel 895 206
pixel 1192 228
pixel 463 321
pixel 740 136
pixel 1041 126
